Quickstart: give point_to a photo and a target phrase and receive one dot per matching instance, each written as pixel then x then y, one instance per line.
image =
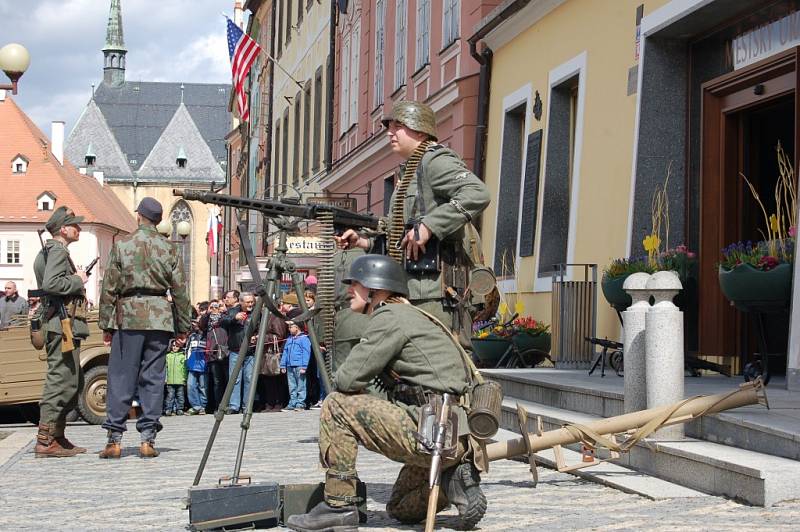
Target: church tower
pixel 114 51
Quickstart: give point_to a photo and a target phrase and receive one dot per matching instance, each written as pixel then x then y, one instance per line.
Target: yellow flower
pixel 773 223
pixel 651 243
pixel 503 308
pixel 519 308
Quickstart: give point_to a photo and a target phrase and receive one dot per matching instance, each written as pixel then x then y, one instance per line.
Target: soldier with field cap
pixel 432 203
pixel 63 296
pixel 138 321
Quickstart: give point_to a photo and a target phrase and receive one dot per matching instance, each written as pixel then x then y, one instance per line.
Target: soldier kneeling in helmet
pixel 413 358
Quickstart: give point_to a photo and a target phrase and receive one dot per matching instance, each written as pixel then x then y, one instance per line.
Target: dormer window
pixel 46 201
pixel 90 157
pixel 19 164
pixel 181 159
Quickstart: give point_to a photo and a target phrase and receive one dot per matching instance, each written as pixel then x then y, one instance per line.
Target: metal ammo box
pixel 251 504
pixel 301 498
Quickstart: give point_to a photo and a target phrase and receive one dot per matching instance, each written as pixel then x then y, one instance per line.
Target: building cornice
pixel 509 29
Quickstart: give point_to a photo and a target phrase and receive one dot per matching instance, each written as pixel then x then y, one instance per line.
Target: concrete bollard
pixel 634 342
pixel 664 345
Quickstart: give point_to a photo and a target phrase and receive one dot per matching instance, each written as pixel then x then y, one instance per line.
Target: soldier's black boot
pixel 326 518
pixel 462 484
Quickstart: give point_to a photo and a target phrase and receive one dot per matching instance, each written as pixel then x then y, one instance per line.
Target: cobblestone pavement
pixel 85 493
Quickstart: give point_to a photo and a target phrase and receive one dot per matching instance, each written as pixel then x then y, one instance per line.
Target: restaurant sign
pixel 307 245
pixel 340 202
pixel 766 40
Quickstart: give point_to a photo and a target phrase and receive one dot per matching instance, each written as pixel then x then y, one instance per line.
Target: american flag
pixel 243 51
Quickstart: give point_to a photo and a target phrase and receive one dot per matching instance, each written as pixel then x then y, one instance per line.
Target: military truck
pixel 23 368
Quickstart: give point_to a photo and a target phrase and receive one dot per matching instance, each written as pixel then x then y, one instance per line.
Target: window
pixel 288 5
pixel 19 165
pixel 299 12
pixel 355 58
pixel 276 175
pixel 306 127
pixel 181 163
pixel 46 206
pixel 505 250
pixel 12 251
pixel 450 20
pixel 380 16
pixel 344 102
pixel 318 120
pixel 423 33
pixel 18 168
pixel 182 213
pixel 309 3
pixel 285 151
pixel 279 34
pixel 298 99
pixel 388 190
pixel 400 44
pixel 89 160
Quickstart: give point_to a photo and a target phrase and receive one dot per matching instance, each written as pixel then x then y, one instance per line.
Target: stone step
pixel 752 428
pixel 612 475
pixel 748 476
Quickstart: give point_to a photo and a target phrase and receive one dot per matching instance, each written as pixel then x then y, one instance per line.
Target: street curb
pixel 13 447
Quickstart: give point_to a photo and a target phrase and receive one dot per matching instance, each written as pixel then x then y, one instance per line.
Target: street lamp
pixel 14 61
pixel 164 227
pixel 184 228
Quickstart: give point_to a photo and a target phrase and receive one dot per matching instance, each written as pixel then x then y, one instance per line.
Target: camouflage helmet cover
pixel 413 115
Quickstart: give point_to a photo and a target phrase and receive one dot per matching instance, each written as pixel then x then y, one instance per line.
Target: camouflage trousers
pixel 382 427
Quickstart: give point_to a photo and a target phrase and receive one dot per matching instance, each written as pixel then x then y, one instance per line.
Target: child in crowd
pixel 176 380
pixel 294 362
pixel 196 364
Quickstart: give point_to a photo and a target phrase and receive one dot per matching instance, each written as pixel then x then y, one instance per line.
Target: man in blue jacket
pixel 296 355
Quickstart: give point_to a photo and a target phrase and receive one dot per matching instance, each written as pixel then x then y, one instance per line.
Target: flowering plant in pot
pixel 528 333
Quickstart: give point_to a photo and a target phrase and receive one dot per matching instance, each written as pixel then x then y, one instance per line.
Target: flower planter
pixel 613 292
pixel 745 285
pixel 489 351
pixel 525 341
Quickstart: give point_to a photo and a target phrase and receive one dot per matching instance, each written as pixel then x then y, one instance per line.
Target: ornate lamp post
pixel 183 229
pixel 14 61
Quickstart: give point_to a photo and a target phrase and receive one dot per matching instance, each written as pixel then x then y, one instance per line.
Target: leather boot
pixel 66 444
pixel 48 447
pixel 324 517
pixel 148 450
pixel 113 449
pixel 462 485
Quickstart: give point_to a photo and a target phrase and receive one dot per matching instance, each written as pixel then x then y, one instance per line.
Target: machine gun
pixel 342 218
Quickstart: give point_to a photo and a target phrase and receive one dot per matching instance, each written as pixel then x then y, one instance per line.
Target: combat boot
pixel 326 518
pixel 62 440
pixel 48 447
pixel 462 485
pixel 113 448
pixel 147 450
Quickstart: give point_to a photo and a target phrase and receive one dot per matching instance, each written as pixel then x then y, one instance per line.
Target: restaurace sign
pixel 307 245
pixel 766 40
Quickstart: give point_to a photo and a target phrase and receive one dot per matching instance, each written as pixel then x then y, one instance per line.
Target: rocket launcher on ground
pixel 635 426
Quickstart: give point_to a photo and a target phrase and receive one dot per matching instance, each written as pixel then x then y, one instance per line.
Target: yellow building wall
pixel 200 274
pixel 605 31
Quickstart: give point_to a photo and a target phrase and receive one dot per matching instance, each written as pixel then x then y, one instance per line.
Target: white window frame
pixel 355 59
pixel 561 73
pixel 400 39
pixel 4 246
pixel 380 33
pixel 451 22
pixel 19 161
pixel 344 100
pixel 423 48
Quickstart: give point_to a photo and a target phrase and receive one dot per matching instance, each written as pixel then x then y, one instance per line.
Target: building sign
pixel 342 203
pixel 766 40
pixel 307 245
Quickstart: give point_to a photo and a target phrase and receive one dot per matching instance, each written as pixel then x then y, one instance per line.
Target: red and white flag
pixel 214 230
pixel 243 51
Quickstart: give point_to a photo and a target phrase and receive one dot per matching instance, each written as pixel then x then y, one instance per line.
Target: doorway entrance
pixel 745 114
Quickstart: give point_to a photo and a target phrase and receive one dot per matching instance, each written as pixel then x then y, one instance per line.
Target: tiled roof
pixel 96 203
pixel 92 130
pixel 137 112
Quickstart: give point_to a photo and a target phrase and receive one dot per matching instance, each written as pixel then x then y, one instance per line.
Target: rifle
pixel 437 451
pixel 67 343
pixel 342 218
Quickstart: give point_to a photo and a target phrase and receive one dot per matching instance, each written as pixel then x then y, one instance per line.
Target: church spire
pixel 114 51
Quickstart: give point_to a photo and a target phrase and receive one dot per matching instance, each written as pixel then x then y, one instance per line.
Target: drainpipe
pixel 331 63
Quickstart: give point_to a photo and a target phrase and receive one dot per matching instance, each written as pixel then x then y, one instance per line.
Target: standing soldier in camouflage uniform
pixel 415 358
pixel 62 284
pixel 138 321
pixel 433 201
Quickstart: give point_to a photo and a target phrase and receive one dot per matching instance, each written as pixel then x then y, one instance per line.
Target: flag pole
pixel 274 62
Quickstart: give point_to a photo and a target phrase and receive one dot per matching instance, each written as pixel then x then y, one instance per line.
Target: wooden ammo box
pixel 301 498
pixel 233 506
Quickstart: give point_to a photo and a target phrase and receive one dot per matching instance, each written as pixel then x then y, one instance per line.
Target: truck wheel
pixel 92 399
pixel 30 412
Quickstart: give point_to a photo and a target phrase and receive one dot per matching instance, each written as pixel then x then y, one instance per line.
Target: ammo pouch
pixel 76 308
pixel 429 261
pixel 409 394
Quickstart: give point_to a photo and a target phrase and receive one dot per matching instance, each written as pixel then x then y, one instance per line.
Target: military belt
pixel 413 394
pixel 143 292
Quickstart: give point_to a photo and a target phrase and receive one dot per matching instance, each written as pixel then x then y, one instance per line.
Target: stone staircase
pixel 749 454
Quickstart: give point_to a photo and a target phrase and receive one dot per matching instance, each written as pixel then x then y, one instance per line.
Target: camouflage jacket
pixel 400 338
pixel 56 275
pixel 144 261
pixel 449 191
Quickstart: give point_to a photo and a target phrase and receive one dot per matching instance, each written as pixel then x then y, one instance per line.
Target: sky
pixel 167 40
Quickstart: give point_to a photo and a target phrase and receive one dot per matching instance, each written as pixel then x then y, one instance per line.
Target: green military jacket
pixel 56 275
pixel 144 261
pixel 400 338
pixel 449 191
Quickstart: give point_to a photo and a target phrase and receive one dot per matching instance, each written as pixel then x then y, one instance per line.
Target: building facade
pixel 36 180
pixel 146 138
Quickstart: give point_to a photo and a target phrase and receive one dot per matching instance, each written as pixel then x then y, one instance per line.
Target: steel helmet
pixel 378 272
pixel 413 115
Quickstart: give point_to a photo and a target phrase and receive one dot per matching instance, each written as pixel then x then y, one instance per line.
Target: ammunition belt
pixel 144 292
